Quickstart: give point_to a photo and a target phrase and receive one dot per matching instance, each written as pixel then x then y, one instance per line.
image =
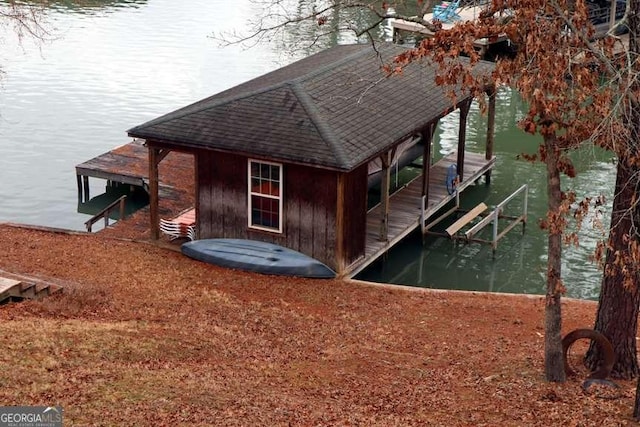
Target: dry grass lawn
pixel 143 336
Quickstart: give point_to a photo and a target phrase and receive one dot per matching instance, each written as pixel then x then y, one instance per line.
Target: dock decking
pixel 129 164
pixel 405 205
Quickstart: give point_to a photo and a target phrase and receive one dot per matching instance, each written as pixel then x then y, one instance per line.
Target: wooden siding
pixel 310 212
pixel 222 193
pixel 355 215
pixel 309 205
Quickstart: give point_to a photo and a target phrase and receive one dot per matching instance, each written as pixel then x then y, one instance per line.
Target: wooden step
pixel 46 289
pixel 15 290
pixel 466 219
pixel 8 288
pixel 42 290
pixel 55 289
pixel 27 289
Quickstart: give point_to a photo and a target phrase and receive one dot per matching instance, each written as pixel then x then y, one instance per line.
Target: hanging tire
pixel 599 376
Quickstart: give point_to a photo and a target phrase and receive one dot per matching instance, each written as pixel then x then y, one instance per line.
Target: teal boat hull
pixel 256 256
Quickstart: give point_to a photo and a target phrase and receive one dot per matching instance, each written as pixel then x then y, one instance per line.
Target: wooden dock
pixel 126 164
pixel 129 164
pixel 467 13
pixel 405 205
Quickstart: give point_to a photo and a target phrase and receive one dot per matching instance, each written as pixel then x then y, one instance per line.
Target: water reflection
pixel 136 198
pixel 335 23
pixel 83 6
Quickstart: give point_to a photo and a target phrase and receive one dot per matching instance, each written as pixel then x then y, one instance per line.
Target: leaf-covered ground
pixel 144 336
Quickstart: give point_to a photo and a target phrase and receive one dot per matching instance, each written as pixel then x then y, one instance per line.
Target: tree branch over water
pixel 323 19
pixel 26 19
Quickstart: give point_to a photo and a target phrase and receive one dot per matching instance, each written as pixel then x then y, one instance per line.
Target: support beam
pixel 162 154
pixel 154 216
pixel 79 181
pixel 491 130
pixel 462 137
pixel 427 136
pixel 341 263
pixel 196 173
pixel 85 180
pixel 612 15
pixel 384 195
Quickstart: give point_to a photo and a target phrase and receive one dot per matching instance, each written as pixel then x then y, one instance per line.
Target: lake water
pixel 115 64
pixel 104 70
pixel 520 260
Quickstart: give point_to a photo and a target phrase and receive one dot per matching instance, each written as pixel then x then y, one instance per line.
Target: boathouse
pixel 286 157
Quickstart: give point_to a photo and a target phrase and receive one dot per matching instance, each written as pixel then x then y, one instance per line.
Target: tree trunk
pixel 554 365
pixel 617 315
pixel 636 405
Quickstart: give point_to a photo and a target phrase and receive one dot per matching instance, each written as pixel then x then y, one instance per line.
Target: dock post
pixel 156 155
pixel 85 180
pixel 122 206
pixel 462 137
pixel 612 14
pixel 427 137
pixel 154 216
pixel 396 36
pixel 491 127
pixel 79 181
pixel 384 196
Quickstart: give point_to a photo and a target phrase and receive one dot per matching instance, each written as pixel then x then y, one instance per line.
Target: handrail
pixel 104 213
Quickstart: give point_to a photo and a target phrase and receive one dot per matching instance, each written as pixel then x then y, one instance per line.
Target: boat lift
pixel 493 217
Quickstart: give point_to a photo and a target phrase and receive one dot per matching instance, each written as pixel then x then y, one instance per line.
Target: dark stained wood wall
pixel 310 206
pixel 310 198
pixel 222 193
pixel 355 221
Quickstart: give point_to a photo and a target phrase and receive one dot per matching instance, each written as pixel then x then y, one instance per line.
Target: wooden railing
pixel 104 213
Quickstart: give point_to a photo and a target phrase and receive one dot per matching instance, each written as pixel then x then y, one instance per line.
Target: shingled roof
pixel 335 109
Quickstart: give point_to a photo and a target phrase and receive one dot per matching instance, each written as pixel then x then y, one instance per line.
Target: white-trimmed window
pixel 265 195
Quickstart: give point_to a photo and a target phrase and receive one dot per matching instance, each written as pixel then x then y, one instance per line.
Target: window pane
pixel 275 189
pixel 255 185
pixel 265 195
pixel 264 171
pixel 264 212
pixel 271 213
